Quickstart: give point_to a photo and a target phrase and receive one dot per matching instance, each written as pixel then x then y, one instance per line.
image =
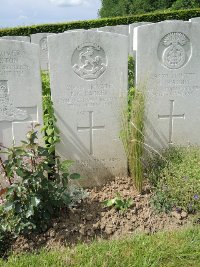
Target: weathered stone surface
pixel 197 19
pixel 120 29
pixel 20 90
pixel 89 87
pixel 131 36
pixel 41 40
pixel 17 38
pixel 168 70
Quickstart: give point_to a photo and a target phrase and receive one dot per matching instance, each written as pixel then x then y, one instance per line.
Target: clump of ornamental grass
pixel 176 179
pixel 132 131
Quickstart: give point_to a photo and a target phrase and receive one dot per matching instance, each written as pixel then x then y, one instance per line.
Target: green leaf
pixel 29 213
pixel 75 176
pixel 49 131
pixel 8 206
pixel 109 202
pixel 64 166
pixel 35 201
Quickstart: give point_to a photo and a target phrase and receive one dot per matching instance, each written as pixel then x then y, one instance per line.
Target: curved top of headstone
pixel 17 38
pixel 196 19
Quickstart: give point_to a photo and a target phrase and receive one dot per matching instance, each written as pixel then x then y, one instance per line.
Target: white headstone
pixel 120 29
pixel 131 35
pixel 20 90
pixel 41 40
pixel 17 38
pixel 167 67
pixel 197 19
pixel 88 73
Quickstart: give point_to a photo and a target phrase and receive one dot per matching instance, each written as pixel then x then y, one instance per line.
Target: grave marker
pixel 167 69
pixel 17 38
pixel 41 40
pixel 89 88
pixel 20 90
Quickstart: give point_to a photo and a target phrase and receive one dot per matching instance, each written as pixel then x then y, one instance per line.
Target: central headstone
pixel 89 88
pixel 167 68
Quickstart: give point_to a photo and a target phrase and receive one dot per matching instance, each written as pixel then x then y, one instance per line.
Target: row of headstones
pixel 88 73
pixel 41 38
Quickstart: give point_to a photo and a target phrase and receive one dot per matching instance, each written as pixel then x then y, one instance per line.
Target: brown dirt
pixel 92 220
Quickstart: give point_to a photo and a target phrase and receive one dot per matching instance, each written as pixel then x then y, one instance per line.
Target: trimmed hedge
pixel 87 24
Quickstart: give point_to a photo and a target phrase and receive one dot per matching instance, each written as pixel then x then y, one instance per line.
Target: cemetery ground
pixel 157 227
pixel 144 229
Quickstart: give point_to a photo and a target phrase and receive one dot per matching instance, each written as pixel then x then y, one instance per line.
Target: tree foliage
pixel 113 8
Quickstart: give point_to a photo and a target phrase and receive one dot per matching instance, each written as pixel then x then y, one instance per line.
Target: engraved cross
pixel 171 118
pixel 90 128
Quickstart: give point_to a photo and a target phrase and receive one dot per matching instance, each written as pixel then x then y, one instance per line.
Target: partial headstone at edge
pixel 20 90
pixel 17 38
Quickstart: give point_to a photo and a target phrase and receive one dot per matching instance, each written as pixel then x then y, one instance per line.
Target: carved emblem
pixel 174 50
pixel 43 44
pixel 7 110
pixel 89 61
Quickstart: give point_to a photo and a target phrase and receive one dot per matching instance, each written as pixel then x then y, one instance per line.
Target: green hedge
pixel 87 24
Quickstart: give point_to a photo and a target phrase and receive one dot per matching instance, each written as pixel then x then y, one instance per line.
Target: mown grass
pixel 169 249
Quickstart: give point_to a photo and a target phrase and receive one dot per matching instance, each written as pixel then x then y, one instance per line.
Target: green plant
pixel 118 203
pixel 176 179
pixel 87 24
pixel 38 190
pixel 51 132
pixel 132 130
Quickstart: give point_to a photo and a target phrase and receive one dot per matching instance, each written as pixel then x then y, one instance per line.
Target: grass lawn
pixel 169 249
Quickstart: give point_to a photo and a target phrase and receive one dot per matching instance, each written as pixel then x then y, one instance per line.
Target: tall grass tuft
pixel 132 130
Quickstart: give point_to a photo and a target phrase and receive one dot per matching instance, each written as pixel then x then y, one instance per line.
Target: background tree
pixel 112 8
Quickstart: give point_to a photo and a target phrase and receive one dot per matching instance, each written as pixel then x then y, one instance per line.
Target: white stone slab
pixel 41 40
pixel 89 87
pixel 131 36
pixel 167 67
pixel 120 29
pixel 197 19
pixel 20 90
pixel 17 38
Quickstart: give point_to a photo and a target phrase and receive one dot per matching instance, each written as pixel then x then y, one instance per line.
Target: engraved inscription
pixel 173 84
pixel 171 118
pixel 89 61
pixel 90 95
pixel 43 44
pixel 90 128
pixel 10 62
pixel 7 110
pixel 174 50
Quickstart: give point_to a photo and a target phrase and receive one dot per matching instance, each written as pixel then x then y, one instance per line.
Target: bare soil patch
pixel 91 220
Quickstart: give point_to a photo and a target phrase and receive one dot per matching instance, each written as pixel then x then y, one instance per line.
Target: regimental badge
pixel 89 61
pixel 175 50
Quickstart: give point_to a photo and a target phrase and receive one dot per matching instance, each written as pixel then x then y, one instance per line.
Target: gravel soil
pixel 91 219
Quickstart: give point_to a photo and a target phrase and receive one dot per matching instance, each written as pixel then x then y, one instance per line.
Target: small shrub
pixel 38 187
pixel 176 179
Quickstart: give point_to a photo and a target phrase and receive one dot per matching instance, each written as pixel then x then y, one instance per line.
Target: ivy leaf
pixel 50 131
